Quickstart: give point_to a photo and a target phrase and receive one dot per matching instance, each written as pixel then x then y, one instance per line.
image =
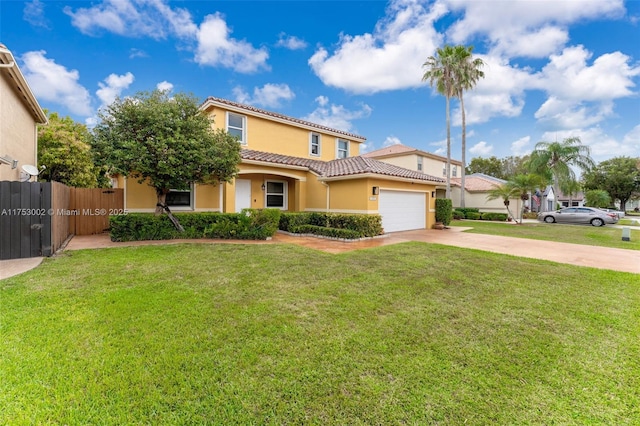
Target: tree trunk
pixel 506 204
pixel 448 191
pixel 464 151
pixel 161 207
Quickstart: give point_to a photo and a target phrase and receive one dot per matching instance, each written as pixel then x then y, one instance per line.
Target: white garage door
pixel 402 210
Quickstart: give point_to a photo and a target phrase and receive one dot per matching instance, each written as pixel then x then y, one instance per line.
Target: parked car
pixel 618 213
pixel 595 217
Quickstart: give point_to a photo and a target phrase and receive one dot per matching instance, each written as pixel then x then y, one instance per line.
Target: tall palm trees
pixel 558 158
pixel 453 71
pixel 440 71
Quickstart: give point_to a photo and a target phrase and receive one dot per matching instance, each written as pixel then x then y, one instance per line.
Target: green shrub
pixel 457 214
pixel 250 224
pixel 444 210
pixel 473 215
pixel 501 217
pixel 465 210
pixel 326 232
pixel 362 225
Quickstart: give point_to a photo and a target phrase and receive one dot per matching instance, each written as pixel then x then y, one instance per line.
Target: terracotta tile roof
pixel 250 108
pixel 340 168
pixel 398 150
pixel 478 182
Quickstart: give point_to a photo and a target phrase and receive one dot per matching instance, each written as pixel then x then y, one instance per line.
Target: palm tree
pixel 440 71
pixel 505 193
pixel 522 185
pixel 467 74
pixel 558 158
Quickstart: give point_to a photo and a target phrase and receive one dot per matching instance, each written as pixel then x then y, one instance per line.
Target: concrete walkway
pixel 574 254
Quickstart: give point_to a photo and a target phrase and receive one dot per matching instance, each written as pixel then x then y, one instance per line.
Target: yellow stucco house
pixel 297 166
pixel 20 115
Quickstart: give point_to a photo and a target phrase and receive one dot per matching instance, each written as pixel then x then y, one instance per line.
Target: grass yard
pixel 278 334
pixel 605 236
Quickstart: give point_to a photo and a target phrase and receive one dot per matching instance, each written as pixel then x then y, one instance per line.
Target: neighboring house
pixel 477 187
pixel 295 165
pixel 574 200
pixel 20 115
pixel 421 161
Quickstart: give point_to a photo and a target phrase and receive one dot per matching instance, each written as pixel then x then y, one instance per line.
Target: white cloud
pixel 500 93
pixel 113 86
pixel 389 58
pixel 269 95
pixel 603 146
pixel 217 48
pixel 134 18
pixel 526 28
pixel 33 13
pixel 164 86
pixel 391 140
pixel 54 83
pixel 336 116
pixel 137 53
pixel 441 147
pixel 521 146
pixel 482 149
pixel 290 42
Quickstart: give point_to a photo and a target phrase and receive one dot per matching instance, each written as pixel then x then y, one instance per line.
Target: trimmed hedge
pixel 347 234
pixel 502 217
pixel 361 225
pixel 457 215
pixel 444 210
pixel 250 224
pixel 473 215
pixel 465 210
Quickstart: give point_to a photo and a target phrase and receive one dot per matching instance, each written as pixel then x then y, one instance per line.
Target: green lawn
pixel 279 334
pixel 605 236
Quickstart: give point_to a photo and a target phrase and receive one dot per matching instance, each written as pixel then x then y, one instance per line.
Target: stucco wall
pixel 18 138
pixel 272 136
pixel 479 200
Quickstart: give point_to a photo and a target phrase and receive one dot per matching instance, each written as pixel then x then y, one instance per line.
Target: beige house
pixel 296 166
pixel 420 161
pixel 477 187
pixel 20 115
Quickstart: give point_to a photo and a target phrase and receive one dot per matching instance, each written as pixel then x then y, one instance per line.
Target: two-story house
pixel 20 115
pixel 296 166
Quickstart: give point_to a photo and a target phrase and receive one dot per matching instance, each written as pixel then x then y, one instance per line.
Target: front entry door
pixel 243 194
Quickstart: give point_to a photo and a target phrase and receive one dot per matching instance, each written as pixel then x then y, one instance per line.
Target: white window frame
pixel 420 163
pixel 285 194
pixel 243 139
pixel 192 199
pixel 454 171
pixel 339 150
pixel 319 137
pixel 444 169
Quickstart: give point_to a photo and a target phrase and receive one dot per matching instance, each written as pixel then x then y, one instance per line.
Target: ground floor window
pixel 276 193
pixel 180 199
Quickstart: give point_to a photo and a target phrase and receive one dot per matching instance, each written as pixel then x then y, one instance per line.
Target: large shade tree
pixel 467 73
pixel 618 176
pixel 164 141
pixel 64 149
pixel 559 158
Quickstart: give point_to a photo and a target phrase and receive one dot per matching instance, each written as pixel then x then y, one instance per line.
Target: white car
pixel 595 217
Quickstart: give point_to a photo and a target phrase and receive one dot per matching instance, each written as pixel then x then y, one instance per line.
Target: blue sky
pixel 554 69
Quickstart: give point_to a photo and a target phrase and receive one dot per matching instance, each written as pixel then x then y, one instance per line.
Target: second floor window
pixel 444 169
pixel 314 148
pixel 454 172
pixel 419 164
pixel 343 148
pixel 237 126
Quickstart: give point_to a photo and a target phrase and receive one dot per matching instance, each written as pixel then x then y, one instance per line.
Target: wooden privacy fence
pixel 37 217
pixel 29 225
pixel 91 207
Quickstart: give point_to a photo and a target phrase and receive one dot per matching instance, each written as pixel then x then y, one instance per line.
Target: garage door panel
pixel 402 210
